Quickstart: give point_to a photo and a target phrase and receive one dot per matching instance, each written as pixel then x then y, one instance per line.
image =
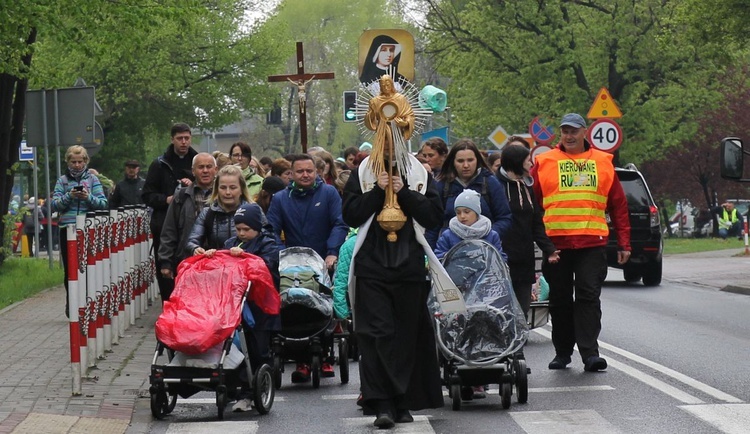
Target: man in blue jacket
pixel 308 212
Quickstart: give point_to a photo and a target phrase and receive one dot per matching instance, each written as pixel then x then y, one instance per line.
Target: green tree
pixel 510 61
pixel 155 63
pixel 152 62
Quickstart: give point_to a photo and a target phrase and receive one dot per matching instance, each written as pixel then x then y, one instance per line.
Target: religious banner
pixel 386 51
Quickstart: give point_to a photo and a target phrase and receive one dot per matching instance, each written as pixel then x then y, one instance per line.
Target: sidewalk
pixel 36 380
pixel 35 384
pixel 721 269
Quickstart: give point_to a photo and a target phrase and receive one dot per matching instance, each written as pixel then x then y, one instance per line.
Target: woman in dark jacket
pixel 215 224
pixel 527 227
pixel 465 168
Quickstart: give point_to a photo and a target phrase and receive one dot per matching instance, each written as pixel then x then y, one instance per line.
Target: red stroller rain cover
pixel 204 308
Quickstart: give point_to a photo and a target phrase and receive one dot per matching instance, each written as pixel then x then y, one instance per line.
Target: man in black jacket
pixel 181 214
pixel 165 174
pixel 129 190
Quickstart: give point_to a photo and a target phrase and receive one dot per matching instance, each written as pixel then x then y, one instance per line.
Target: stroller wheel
pixel 315 371
pixel 467 393
pixel 263 389
pixel 506 389
pixel 158 402
pixel 344 360
pixel 278 370
pixel 522 381
pixel 455 392
pixel 171 403
pixel 221 400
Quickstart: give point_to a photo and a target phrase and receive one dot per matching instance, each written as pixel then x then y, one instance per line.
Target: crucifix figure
pixel 301 92
pixel 301 79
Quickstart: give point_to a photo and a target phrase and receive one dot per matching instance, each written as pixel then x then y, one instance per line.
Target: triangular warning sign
pixel 604 106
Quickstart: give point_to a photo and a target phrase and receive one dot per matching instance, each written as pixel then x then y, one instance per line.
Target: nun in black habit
pixel 384 54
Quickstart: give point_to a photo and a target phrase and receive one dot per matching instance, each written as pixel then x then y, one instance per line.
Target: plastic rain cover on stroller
pixel 306 304
pixel 494 325
pixel 204 308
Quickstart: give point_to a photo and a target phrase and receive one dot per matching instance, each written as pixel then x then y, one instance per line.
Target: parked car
pixel 645 231
pixel 688 222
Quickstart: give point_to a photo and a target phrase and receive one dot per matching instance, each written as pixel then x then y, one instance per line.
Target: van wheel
pixel 652 273
pixel 631 274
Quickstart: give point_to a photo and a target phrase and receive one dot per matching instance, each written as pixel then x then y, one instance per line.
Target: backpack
pixel 299 277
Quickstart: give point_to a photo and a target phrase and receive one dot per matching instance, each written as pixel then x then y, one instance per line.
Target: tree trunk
pixel 12 111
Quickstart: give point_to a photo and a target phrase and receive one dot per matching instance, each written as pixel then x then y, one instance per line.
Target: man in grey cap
pixel 577 187
pixel 128 191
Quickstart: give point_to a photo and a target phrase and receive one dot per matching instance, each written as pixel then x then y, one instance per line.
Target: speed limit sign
pixel 605 135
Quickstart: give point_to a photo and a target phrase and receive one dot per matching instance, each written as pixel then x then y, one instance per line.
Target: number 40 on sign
pixel 605 135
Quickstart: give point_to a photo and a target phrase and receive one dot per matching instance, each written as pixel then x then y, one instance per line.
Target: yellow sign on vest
pixel 604 106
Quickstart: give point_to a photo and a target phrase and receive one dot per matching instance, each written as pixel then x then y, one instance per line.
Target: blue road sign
pixel 25 153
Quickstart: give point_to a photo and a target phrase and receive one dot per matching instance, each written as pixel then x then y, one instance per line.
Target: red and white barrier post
pixel 75 328
pixel 81 304
pixel 110 279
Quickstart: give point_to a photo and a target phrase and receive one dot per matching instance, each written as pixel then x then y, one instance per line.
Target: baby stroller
pixel 308 328
pixel 201 330
pixel 483 345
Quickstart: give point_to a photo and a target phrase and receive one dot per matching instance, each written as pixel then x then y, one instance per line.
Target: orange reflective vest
pixel 575 190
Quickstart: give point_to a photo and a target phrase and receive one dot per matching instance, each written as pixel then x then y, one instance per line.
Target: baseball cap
pixel 573 120
pixel 132 163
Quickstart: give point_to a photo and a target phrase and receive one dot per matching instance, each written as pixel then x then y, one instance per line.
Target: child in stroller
pixel 307 321
pixel 469 223
pixel 200 321
pixel 253 238
pixel 482 346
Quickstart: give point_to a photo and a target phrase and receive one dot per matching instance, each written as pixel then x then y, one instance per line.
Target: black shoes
pixel 403 416
pixel 559 362
pixel 594 364
pixel 384 420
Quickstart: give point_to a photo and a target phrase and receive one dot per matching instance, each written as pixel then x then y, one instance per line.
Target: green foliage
pixel 154 63
pixel 510 61
pixel 9 233
pixel 21 278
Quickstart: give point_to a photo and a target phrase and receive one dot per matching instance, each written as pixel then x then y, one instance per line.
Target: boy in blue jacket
pixel 252 238
pixel 468 224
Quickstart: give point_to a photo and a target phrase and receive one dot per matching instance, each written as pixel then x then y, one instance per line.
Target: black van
pixel 645 232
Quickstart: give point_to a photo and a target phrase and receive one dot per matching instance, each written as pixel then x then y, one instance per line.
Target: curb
pixel 736 289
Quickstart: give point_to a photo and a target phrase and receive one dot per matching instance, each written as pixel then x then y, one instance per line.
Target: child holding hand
pixel 468 224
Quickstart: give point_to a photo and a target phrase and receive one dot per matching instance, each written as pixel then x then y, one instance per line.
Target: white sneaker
pixel 243 405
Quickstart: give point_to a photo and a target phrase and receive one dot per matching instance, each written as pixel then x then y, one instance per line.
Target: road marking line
pixel 645 378
pixel 212 401
pixel 692 382
pixel 352 396
pixel 421 425
pixel 729 418
pixel 562 422
pixel 239 427
pixel 569 389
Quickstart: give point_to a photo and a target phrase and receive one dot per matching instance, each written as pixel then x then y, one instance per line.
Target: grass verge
pixel 21 278
pixel 692 245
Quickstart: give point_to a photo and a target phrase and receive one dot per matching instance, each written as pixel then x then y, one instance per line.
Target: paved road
pixel 35 383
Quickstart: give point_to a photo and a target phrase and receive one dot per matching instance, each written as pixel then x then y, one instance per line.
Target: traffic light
pixel 274 116
pixel 350 103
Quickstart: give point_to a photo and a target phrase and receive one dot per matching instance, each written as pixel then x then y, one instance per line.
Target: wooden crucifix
pixel 300 80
